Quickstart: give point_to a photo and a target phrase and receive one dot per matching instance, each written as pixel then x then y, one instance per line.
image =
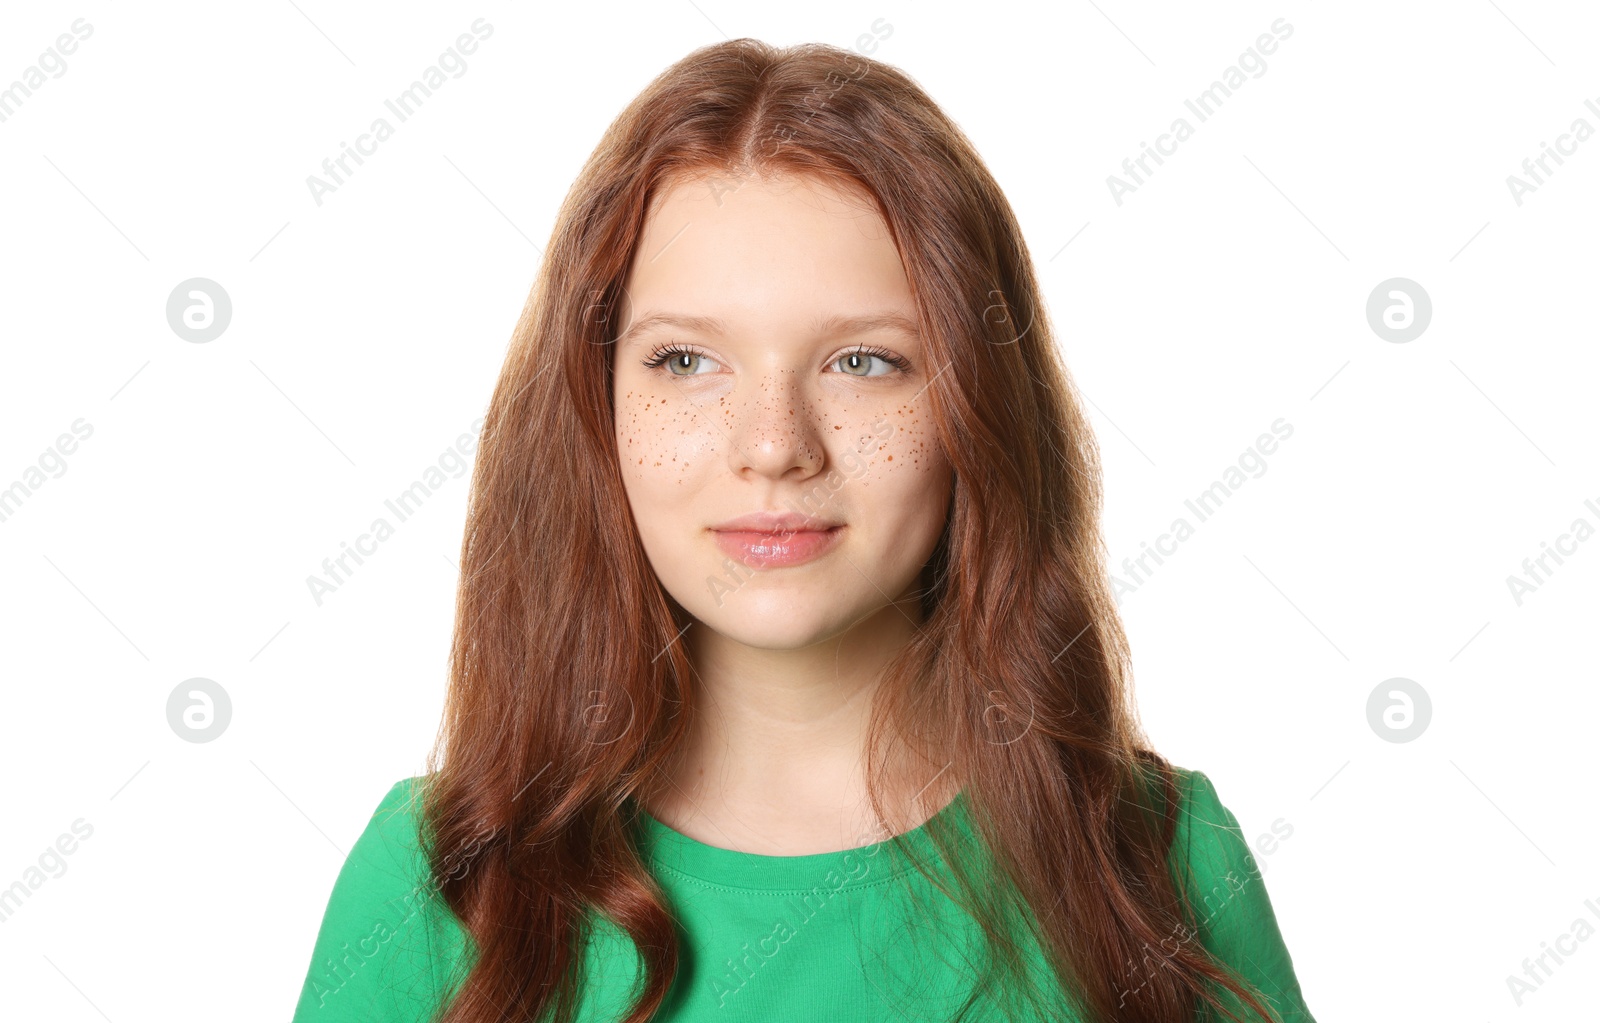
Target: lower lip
pixel 777 550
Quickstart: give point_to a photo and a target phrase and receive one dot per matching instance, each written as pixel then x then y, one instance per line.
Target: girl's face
pixel 768 364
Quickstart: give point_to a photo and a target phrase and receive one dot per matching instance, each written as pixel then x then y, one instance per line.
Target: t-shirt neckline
pixel 844 869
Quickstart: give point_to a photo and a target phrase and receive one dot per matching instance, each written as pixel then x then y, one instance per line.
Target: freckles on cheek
pixel 901 440
pixel 662 439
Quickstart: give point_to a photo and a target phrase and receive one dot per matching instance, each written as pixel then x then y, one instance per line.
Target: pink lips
pixel 776 539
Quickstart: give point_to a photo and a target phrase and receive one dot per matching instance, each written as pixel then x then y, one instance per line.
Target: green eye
pixel 686 361
pixel 682 358
pixel 862 358
pixel 859 361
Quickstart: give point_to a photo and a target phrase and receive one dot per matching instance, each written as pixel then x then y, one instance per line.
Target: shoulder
pixel 398 815
pixel 1207 830
pixel 1191 799
pixel 1202 823
pixel 1209 851
pixel 1233 915
pixel 388 857
pixel 386 934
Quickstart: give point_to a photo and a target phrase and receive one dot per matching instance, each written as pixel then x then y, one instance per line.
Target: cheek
pixel 662 441
pixel 915 488
pixel 896 448
pixel 910 479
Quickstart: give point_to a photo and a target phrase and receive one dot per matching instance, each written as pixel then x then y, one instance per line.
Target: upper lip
pixel 775 522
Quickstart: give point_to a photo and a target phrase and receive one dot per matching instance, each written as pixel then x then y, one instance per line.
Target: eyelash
pixel 660 356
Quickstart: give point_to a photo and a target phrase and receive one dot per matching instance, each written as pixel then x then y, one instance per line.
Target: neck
pixel 775 757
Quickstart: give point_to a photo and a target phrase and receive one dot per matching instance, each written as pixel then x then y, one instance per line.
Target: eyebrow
pixel 828 325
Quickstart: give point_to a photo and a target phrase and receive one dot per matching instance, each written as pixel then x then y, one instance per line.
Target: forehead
pixel 762 249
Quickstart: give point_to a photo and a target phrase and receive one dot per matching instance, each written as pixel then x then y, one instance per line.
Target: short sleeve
pixel 387 941
pixel 1233 914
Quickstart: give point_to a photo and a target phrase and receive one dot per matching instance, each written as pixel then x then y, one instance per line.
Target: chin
pixel 770 621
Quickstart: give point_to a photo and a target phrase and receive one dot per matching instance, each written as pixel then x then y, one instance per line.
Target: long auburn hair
pixel 569 690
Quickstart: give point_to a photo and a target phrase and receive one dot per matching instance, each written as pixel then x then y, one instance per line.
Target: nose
pixel 776 433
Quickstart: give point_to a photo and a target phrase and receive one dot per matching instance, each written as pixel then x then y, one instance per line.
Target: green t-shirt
pixel 824 936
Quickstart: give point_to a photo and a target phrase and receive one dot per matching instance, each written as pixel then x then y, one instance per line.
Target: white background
pixel 1228 291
